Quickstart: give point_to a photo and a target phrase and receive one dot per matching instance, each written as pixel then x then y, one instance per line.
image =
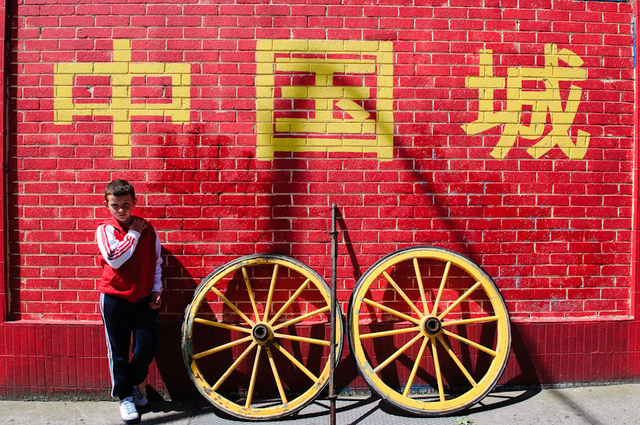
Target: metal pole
pixel 332 352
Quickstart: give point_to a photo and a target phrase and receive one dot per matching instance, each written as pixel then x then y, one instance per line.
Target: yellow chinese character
pixel 546 106
pixel 302 106
pixel 121 106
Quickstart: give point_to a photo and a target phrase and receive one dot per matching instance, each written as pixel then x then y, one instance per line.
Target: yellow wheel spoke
pixel 389 333
pixel 221 325
pixel 423 297
pixel 436 363
pixel 221 347
pixel 232 306
pixel 457 361
pixel 469 321
pixel 397 353
pixel 303 317
pixel 254 375
pixel 233 366
pixel 391 311
pixel 459 300
pixel 289 302
pixel 303 339
pixel 414 370
pixel 276 376
pixel 402 294
pixel 445 276
pixel 272 286
pixel 471 343
pixel 250 293
pixel 296 362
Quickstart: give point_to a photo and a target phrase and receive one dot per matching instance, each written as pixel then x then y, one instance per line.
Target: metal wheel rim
pixel 393 395
pixel 283 407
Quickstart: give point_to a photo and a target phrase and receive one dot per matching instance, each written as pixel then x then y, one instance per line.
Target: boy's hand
pixel 156 300
pixel 138 225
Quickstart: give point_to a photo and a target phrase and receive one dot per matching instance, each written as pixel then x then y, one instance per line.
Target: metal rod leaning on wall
pixel 332 352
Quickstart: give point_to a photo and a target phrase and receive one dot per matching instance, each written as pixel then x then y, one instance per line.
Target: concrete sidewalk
pixel 595 405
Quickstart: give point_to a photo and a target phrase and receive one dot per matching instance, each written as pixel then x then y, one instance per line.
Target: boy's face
pixel 121 208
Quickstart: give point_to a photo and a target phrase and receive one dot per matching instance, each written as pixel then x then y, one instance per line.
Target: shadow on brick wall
pixel 179 288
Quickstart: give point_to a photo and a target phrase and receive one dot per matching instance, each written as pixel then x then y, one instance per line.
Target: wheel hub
pixel 432 326
pixel 261 333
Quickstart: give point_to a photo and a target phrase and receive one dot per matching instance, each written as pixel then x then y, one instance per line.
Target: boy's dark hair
pixel 119 188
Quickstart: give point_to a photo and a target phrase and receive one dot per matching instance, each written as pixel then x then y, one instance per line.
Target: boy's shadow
pixel 180 408
pixel 179 289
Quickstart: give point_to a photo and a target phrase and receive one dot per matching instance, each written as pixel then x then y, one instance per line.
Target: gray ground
pixel 599 405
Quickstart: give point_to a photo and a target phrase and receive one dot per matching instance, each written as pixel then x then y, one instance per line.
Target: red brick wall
pixel 552 227
pixel 554 232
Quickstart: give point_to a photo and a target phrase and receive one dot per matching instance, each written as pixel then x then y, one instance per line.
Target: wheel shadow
pixel 318 408
pixel 494 400
pixel 361 411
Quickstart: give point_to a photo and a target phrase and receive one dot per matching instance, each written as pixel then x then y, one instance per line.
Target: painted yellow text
pixel 303 106
pixel 119 104
pixel 549 121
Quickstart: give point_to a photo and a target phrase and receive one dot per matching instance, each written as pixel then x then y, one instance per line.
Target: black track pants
pixel 129 326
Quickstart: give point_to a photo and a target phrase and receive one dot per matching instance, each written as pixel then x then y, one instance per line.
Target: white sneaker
pixel 128 411
pixel 138 398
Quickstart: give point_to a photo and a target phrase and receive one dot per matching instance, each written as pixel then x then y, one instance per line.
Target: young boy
pixel 130 289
